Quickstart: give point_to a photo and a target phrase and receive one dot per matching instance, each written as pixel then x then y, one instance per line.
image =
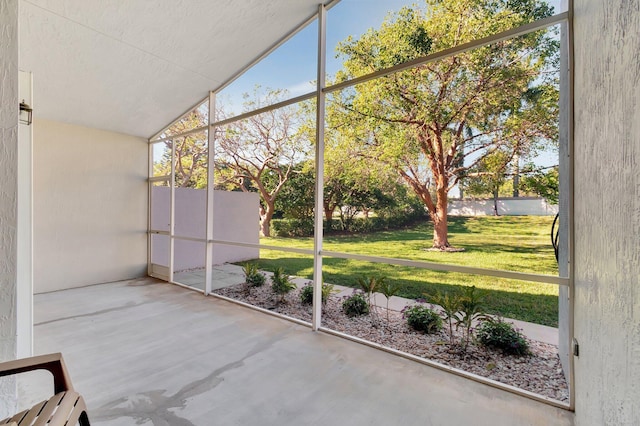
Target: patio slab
pixel 151 353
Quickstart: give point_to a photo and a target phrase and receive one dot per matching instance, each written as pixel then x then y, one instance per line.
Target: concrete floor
pixel 144 352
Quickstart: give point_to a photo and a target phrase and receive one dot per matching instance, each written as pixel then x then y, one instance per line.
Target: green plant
pixel 389 290
pixel 422 318
pixel 327 290
pixel 369 285
pixel 306 294
pixel 496 243
pixel 471 309
pixel 252 276
pixel 449 304
pixel 355 305
pixel 281 284
pixel 503 336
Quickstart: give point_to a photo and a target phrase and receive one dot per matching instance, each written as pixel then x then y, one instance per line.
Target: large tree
pixel 433 122
pixel 261 152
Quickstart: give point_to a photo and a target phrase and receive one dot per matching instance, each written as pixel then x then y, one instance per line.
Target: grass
pixel 514 243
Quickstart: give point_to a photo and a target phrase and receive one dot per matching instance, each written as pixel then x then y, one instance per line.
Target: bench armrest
pixel 51 362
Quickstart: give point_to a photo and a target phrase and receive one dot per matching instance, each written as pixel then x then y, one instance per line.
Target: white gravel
pixel 540 373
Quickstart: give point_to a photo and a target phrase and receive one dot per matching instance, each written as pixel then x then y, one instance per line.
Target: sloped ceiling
pixel 132 66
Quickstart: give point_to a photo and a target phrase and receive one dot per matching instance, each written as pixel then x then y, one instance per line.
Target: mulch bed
pixel 540 372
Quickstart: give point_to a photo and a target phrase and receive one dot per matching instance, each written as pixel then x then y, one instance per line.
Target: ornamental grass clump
pixel 422 318
pixel 501 335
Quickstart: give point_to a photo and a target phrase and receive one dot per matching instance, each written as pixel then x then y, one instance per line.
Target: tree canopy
pixel 261 152
pixel 435 121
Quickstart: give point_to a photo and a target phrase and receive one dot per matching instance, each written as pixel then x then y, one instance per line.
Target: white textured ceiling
pixel 132 66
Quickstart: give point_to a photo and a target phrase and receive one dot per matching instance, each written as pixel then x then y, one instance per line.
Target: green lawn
pixel 514 243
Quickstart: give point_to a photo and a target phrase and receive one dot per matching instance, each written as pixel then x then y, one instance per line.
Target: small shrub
pixel 450 304
pixel 306 294
pixel 471 309
pixel 280 283
pixel 421 318
pixel 389 290
pixel 252 277
pixel 501 335
pixel 293 227
pixel 327 290
pixel 369 286
pixel 355 305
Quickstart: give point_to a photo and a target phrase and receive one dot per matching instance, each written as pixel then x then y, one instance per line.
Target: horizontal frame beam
pixel 481 42
pixel 505 35
pixel 264 247
pixel 433 266
pixel 447 267
pixel 201 129
pixel 267 108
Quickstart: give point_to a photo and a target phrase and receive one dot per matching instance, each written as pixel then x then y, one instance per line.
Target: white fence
pixel 235 218
pixel 520 206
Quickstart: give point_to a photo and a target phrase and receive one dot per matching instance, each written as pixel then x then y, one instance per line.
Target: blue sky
pixel 293 65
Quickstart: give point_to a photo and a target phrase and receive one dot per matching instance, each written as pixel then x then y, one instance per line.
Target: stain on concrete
pixel 161 409
pixel 128 305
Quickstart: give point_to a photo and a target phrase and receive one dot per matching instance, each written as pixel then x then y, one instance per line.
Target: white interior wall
pixel 90 206
pixel 607 212
pixel 8 194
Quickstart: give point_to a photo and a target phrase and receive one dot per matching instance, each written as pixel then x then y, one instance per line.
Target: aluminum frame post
pixel 318 223
pixel 208 274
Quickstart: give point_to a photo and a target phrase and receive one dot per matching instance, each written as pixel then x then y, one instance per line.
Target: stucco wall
pixel 25 227
pixel 521 206
pixel 607 211
pixel 8 193
pixel 235 216
pixel 90 206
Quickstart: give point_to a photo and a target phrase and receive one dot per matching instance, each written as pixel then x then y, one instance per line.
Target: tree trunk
pixel 328 211
pixel 516 175
pixel 439 218
pixel 495 202
pixel 265 219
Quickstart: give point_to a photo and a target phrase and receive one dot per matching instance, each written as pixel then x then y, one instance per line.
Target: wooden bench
pixel 65 407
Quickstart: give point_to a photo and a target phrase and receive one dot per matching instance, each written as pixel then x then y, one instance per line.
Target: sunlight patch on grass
pixel 514 243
